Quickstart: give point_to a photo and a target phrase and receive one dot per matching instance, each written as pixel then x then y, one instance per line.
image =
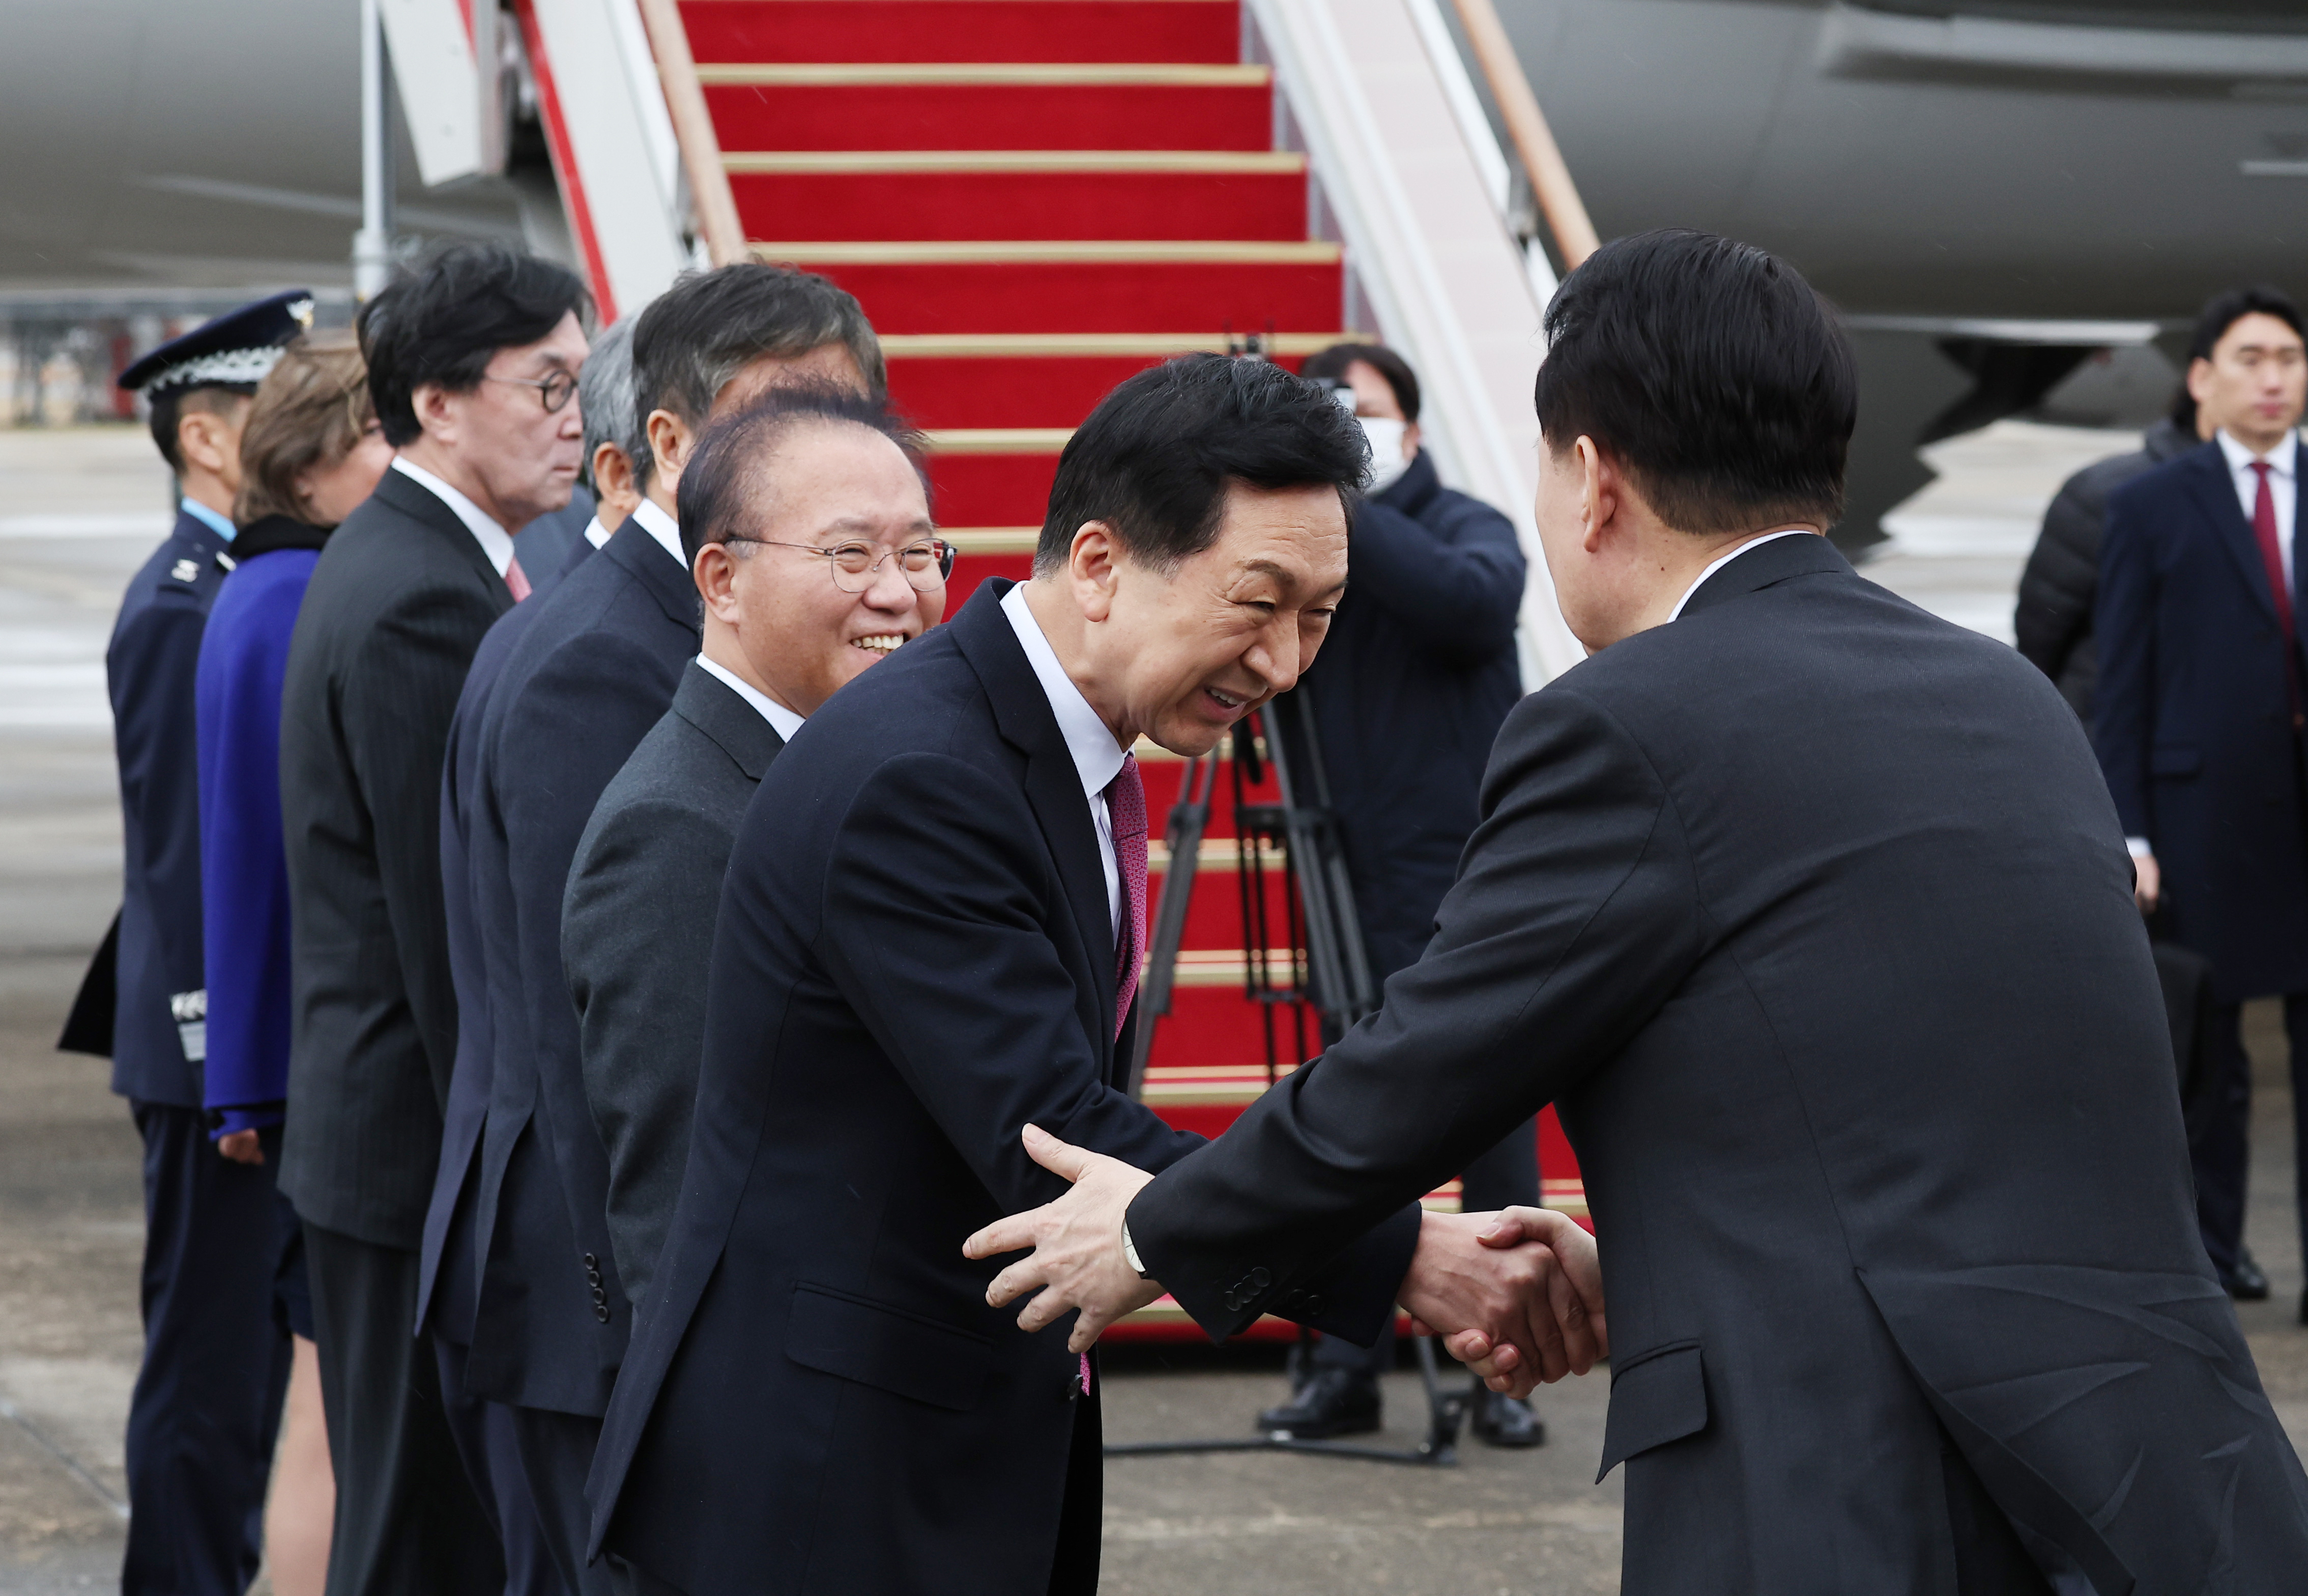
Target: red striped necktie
pixel 1126 808
pixel 2271 555
pixel 516 579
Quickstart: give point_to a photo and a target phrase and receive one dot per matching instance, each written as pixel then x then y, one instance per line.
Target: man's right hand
pixel 1527 1317
pixel 2146 882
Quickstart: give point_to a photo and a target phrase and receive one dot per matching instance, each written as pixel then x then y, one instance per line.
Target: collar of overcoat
pixel 1775 562
pixel 644 558
pixel 2206 470
pixel 418 502
pixel 732 724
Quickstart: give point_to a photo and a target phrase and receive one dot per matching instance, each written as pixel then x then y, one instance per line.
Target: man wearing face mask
pixel 1407 697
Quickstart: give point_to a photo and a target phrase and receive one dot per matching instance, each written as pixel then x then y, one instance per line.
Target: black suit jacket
pixel 2194 722
pixel 636 936
pixel 1811 911
pixel 594 673
pixel 448 1219
pixel 400 600
pixel 914 960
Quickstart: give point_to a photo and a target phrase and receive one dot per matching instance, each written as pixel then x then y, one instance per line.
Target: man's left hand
pixel 1077 1261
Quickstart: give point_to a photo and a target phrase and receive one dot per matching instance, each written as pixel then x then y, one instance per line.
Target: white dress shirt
pixel 495 540
pixel 781 719
pixel 1097 757
pixel 2283 486
pixel 1722 560
pixel 596 533
pixel 667 530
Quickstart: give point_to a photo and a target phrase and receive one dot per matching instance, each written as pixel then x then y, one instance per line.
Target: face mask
pixel 1387 462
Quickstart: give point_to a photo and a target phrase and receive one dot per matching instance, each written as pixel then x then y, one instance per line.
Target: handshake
pixel 1516 1296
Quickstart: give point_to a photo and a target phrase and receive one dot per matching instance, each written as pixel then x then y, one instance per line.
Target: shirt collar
pixel 596 533
pixel 221 525
pixel 495 540
pixel 1098 758
pixel 1722 560
pixel 782 720
pixel 667 530
pixel 2282 460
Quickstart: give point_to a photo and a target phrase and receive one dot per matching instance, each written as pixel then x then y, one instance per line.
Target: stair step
pixel 1135 107
pixel 983 30
pixel 1037 163
pixel 1016 288
pixel 991 489
pixel 991 204
pixel 1007 392
pixel 1061 345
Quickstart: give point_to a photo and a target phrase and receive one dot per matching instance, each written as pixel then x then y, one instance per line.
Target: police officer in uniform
pixel 207 1402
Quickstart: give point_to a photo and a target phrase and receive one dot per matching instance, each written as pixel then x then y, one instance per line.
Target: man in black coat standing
pixel 472 362
pixel 1811 911
pixel 2201 717
pixel 1408 695
pixel 594 671
pixel 929 939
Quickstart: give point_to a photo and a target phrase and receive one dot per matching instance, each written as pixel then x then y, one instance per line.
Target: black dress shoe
pixel 1337 1402
pixel 1503 1421
pixel 2246 1283
pixel 2303 1308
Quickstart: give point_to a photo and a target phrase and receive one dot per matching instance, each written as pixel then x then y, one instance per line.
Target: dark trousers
pixel 207 1402
pixel 557 1454
pixel 483 1433
pixel 1506 1177
pixel 409 1522
pixel 2220 1123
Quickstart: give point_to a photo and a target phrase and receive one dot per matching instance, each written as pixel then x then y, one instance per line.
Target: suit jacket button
pixel 591 1261
pixel 1261 1278
pixel 601 1311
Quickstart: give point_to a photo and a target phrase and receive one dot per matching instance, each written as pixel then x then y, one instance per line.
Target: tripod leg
pixel 1446 1410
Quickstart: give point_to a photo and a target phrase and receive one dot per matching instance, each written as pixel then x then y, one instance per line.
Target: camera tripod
pixel 1306 964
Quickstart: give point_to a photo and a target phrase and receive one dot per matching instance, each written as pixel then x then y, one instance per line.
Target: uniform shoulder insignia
pixel 226 563
pixel 184 571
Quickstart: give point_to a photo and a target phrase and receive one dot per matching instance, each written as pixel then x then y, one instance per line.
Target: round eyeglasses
pixel 857 566
pixel 556 389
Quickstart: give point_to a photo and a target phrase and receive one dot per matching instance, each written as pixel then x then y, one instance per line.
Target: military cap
pixel 240 346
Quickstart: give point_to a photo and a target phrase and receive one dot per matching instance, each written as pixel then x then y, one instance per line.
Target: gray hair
pixel 710 326
pixel 605 392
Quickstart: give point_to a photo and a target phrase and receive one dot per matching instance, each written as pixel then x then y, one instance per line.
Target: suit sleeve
pixel 934 928
pixel 2054 610
pixel 2124 622
pixel 399 699
pixel 636 940
pixel 1459 595
pixel 1575 916
pixel 154 665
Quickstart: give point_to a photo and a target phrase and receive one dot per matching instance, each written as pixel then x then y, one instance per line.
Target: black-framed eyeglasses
pixel 855 566
pixel 556 389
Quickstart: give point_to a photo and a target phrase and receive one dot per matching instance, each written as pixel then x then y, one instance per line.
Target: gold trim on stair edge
pixel 1020 75
pixel 1121 346
pixel 1217 163
pixel 1118 252
pixel 997 440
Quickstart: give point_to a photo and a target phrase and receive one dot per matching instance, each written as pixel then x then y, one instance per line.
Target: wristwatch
pixel 1130 1253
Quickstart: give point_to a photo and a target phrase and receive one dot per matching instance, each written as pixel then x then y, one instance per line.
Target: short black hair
pixel 710 326
pixel 443 320
pixel 2225 310
pixel 1331 367
pixel 1154 460
pixel 168 407
pixel 1721 381
pixel 722 482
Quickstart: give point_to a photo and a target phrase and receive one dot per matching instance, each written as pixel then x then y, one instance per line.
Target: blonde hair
pixel 310 412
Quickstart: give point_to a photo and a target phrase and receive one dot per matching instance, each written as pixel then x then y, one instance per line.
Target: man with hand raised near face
pixel 594 671
pixel 929 940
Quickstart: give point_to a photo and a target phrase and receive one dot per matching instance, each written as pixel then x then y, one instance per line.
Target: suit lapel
pixel 413 499
pixel 1053 785
pixel 731 724
pixel 2208 480
pixel 642 556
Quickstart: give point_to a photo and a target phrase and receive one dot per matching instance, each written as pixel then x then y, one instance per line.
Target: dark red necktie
pixel 1125 808
pixel 2271 555
pixel 516 579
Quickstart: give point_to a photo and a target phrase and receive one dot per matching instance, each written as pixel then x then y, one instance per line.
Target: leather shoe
pixel 1503 1421
pixel 2246 1283
pixel 2303 1308
pixel 1337 1402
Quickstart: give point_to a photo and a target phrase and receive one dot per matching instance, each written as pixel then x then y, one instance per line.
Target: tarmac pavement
pixel 78 511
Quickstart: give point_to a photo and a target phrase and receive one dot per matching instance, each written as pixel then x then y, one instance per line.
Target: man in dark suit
pixel 207 1402
pixel 472 362
pixel 1418 674
pixel 2200 715
pixel 594 672
pixel 448 1271
pixel 930 937
pixel 1811 913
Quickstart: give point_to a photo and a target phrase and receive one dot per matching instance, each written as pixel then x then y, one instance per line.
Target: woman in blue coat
pixel 311 452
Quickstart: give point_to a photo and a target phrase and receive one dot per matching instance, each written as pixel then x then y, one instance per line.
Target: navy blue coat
pixel 580 691
pixel 448 1220
pixel 2193 722
pixel 912 960
pixel 1409 694
pixel 159 1031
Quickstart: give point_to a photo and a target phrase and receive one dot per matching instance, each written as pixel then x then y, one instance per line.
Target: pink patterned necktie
pixel 1125 807
pixel 516 579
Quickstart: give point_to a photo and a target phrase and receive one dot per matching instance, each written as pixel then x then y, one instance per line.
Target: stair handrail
pixel 1551 183
pixel 693 129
